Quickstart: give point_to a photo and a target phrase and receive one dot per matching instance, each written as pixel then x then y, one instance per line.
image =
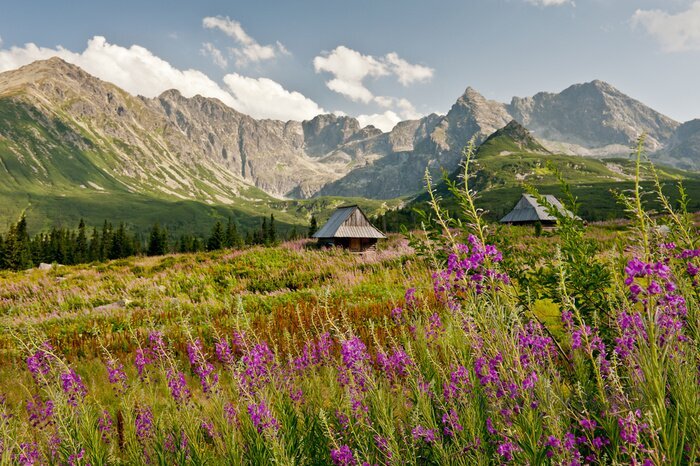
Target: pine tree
pixel 233 239
pixel 94 248
pixel 81 252
pixel 157 241
pixel 313 226
pixel 271 231
pixel 20 253
pixel 217 238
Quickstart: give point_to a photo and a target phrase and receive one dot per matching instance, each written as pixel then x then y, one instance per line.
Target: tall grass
pixel 465 368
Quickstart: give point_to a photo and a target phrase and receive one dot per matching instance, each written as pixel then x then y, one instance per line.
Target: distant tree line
pixel 19 250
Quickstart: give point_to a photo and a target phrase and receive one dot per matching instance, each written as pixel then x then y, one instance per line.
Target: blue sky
pixel 380 60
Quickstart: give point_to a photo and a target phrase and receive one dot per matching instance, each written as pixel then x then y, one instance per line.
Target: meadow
pixel 462 343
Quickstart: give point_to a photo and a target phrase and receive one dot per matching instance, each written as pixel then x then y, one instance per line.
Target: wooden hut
pixel 528 211
pixel 349 228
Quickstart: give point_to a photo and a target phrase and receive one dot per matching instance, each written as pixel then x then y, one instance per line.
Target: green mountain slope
pixel 511 158
pixel 72 146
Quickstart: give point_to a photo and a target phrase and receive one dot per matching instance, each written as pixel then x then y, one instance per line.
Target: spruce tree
pixel 271 231
pixel 217 238
pixel 313 226
pixel 80 253
pixel 94 248
pixel 233 239
pixel 157 241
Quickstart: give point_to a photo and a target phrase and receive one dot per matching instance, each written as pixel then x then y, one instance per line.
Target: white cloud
pixel 406 72
pixel 350 68
pixel 675 33
pixel 208 49
pixel 249 50
pixel 136 70
pixel 265 98
pixel 550 2
pixel 384 121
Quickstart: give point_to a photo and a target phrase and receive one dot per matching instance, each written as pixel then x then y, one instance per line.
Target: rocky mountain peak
pixel 517 134
pixel 326 132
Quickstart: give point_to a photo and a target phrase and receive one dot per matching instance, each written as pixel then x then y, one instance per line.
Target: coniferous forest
pixel 19 250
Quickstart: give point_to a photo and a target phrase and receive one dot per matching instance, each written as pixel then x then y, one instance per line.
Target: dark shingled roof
pixel 343 224
pixel 529 210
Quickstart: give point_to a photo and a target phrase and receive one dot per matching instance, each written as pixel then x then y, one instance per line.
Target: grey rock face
pixel 591 115
pixel 683 150
pixel 199 148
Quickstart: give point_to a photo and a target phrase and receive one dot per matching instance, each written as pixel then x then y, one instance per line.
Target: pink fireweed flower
pixel 105 426
pixel 73 387
pixel 434 328
pixel 76 458
pixel 343 456
pixel 383 445
pixel 395 365
pixel 262 418
pixel 223 352
pixel 451 424
pixel 231 413
pixel 424 433
pixel 506 450
pixel 459 385
pixel 38 362
pixel 117 376
pixel 158 346
pixel 259 366
pixel 141 360
pixel 355 363
pixel 201 366
pixel 28 455
pixel 178 386
pixel 40 412
pixel 143 423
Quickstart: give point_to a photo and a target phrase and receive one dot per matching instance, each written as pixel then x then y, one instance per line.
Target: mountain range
pixel 65 133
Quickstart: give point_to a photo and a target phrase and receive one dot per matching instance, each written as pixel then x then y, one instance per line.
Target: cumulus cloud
pixel 550 2
pixel 674 32
pixel 350 68
pixel 265 98
pixel 384 121
pixel 208 49
pixel 248 50
pixel 406 72
pixel 138 71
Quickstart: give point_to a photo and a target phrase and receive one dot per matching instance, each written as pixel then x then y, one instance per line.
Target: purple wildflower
pixel 73 387
pixel 259 365
pixel 424 433
pixel 105 426
pixel 343 456
pixel 231 413
pixel 143 422
pixel 450 421
pixel 38 362
pixel 459 385
pixel 178 386
pixel 201 366
pixel 40 412
pixel 395 366
pixel 28 455
pixel 262 418
pixel 117 376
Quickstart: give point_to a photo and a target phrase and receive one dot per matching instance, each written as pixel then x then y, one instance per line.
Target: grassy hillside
pixel 291 355
pixel 503 165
